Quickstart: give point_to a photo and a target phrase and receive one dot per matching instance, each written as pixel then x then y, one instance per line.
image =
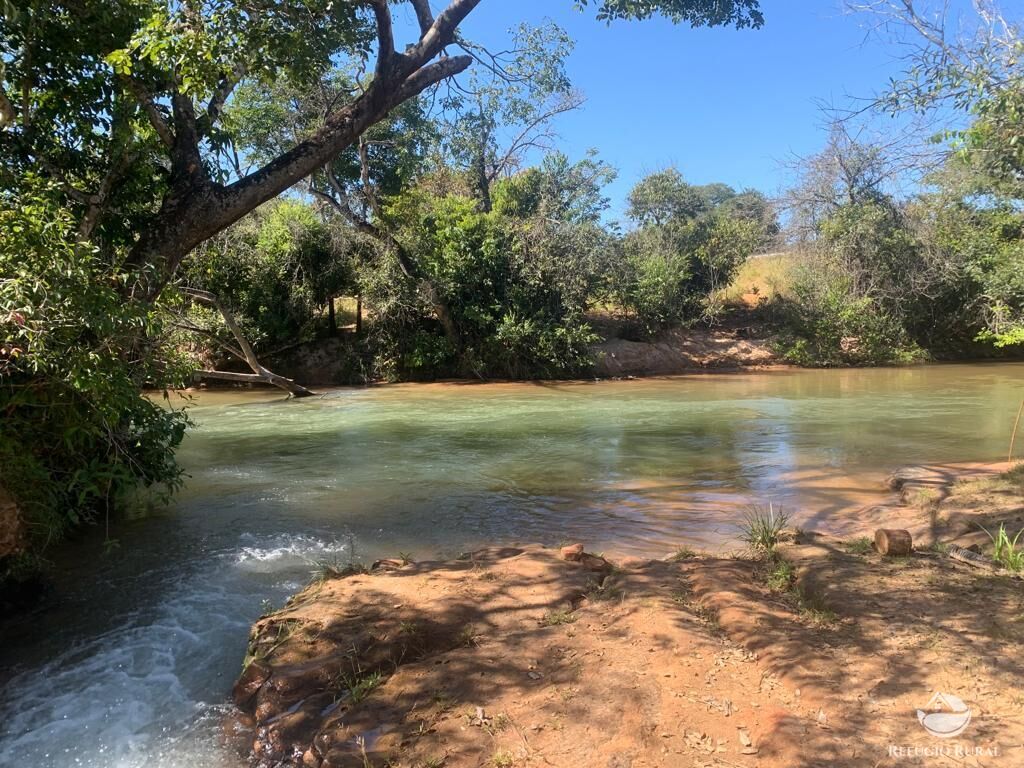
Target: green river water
pixel 134 664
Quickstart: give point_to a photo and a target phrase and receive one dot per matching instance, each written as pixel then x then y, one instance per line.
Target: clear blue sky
pixel 719 104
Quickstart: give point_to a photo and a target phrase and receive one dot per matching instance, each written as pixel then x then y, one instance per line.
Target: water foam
pixel 152 692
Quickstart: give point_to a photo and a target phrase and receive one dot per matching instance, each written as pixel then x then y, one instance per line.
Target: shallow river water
pixel 133 665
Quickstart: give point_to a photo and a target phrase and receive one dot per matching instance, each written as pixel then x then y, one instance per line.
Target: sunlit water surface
pixel 134 664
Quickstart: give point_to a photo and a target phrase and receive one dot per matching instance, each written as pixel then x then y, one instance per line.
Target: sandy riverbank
pixel 519 657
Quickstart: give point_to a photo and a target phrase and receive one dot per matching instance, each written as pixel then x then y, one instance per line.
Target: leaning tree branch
pixel 227 85
pixel 156 119
pixel 259 373
pixel 196 208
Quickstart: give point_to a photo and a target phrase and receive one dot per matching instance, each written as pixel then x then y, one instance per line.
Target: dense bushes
pixel 688 245
pixel 276 270
pixel 78 434
pixel 886 280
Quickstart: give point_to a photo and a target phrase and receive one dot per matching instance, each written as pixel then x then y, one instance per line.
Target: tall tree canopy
pixel 122 102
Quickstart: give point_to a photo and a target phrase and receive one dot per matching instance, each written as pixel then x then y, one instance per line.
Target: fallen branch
pixel 963 555
pixel 260 374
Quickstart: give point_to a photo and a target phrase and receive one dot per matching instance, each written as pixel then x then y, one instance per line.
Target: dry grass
pixel 761 278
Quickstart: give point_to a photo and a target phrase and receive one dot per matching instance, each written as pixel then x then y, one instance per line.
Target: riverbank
pixel 532 656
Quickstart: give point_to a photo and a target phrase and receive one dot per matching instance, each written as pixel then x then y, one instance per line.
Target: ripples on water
pixel 134 666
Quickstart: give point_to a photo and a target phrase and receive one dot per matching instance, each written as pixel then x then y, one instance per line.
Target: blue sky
pixel 719 104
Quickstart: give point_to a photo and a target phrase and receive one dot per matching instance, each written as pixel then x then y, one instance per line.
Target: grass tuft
pixel 683 553
pixel 761 529
pixel 780 576
pixel 1008 552
pixel 861 546
pixel 557 618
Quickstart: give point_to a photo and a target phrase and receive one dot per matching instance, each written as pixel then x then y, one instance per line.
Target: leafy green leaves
pixel 78 434
pixel 712 13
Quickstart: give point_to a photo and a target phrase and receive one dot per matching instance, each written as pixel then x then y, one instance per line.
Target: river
pixel 134 663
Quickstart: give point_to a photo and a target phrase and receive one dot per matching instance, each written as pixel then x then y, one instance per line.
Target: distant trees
pixel 886 278
pixel 688 243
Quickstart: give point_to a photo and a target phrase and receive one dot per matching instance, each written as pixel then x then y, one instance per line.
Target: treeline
pixel 881 279
pixel 454 284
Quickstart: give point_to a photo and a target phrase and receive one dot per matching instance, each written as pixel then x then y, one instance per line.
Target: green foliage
pixel 517 280
pixel 690 243
pixel 761 529
pixel 780 575
pixel 78 434
pixel 828 324
pixel 740 13
pixel 515 292
pixel 1008 552
pixel 275 269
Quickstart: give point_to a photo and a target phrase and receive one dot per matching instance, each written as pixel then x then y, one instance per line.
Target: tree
pixel 122 102
pixel 689 243
pixel 506 108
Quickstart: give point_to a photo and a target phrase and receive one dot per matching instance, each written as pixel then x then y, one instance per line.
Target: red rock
pixel 248 684
pixel 572 552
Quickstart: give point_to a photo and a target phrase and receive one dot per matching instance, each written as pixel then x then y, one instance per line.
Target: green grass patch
pixel 860 546
pixel 780 576
pixel 558 618
pixel 1008 552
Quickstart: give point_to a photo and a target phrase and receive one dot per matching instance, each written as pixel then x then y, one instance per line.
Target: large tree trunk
pixel 196 208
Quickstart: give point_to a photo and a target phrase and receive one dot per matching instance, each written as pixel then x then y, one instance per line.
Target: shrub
pixel 78 432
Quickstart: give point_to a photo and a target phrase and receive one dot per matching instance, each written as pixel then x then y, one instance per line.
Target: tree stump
pixel 892 542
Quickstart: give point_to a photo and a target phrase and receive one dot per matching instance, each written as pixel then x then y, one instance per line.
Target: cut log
pixel 893 542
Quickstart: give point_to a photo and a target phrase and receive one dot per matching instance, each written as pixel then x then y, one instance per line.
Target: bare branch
pixel 423 15
pixel 259 373
pixel 224 89
pixel 442 31
pixel 528 137
pixel 385 36
pixel 156 119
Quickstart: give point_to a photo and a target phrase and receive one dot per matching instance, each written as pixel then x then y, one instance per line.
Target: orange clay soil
pixel 518 657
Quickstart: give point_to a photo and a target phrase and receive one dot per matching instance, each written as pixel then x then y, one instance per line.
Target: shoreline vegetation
pixel 798 649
